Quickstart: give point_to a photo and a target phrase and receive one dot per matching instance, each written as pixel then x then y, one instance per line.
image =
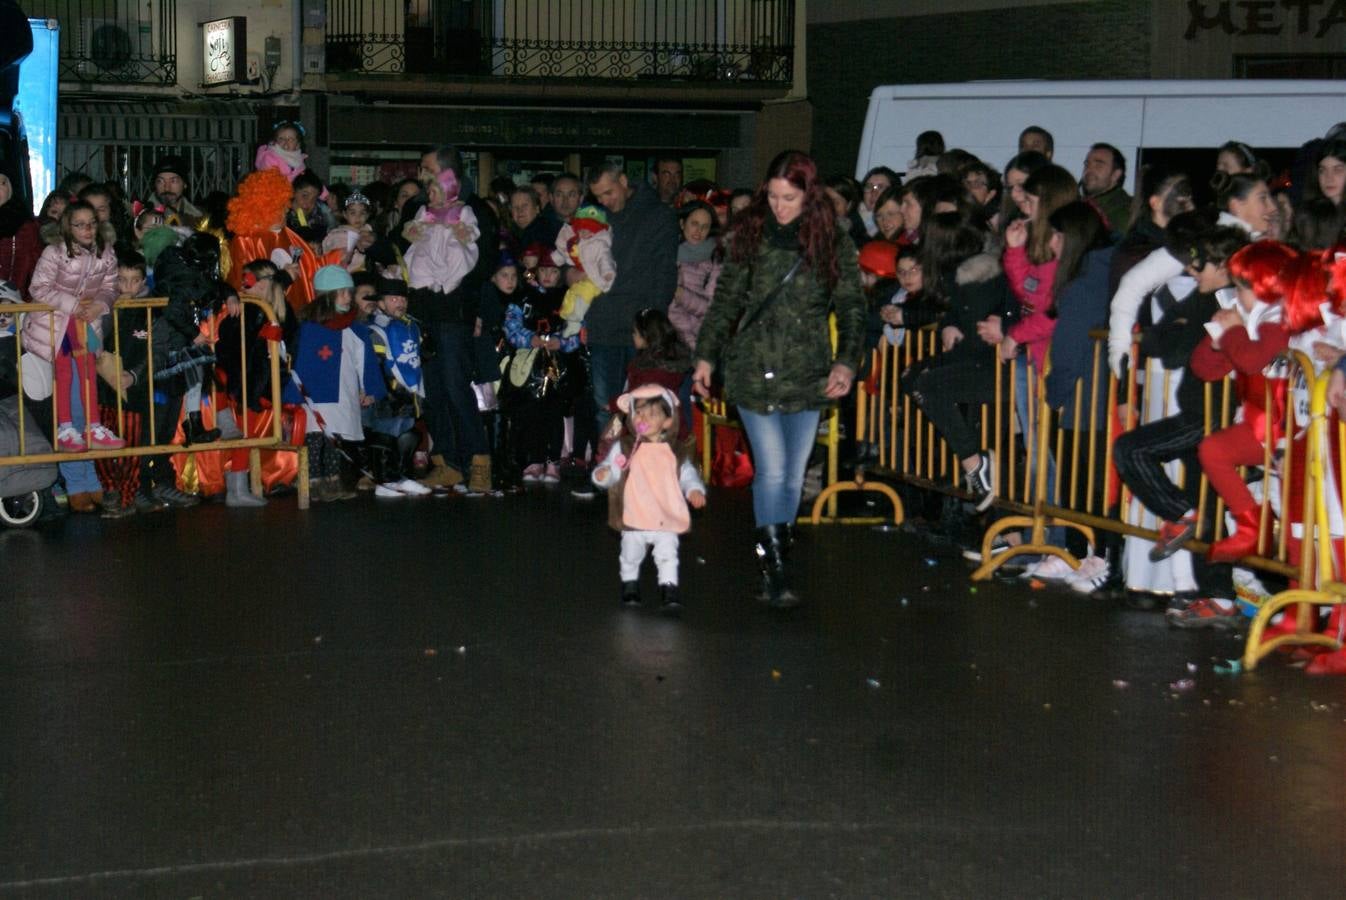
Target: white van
pixel 985 118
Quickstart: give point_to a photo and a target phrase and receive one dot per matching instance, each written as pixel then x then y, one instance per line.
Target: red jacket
pixel 1246 359
pixel 18 256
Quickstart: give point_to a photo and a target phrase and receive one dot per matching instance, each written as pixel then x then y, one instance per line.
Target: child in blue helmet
pixel 335 375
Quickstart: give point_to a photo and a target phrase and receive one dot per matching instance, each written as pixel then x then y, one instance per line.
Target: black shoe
pixel 194 431
pixel 770 550
pixel 112 506
pixel 980 482
pixel 668 600
pixel 147 503
pixel 174 497
pixel 630 594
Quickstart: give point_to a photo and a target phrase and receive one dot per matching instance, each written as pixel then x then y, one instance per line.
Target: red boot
pixel 1243 542
pixel 1333 663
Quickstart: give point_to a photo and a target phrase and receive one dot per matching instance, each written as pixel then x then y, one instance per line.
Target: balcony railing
pixel 114 41
pixel 689 40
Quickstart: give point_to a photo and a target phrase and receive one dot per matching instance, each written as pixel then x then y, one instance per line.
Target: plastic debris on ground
pixel 1036 585
pixel 1192 667
pixel 904 601
pixel 972 590
pixel 431 651
pixel 1121 684
pixel 930 561
pixel 1182 685
pixel 1229 667
pixel 775 674
pixel 462 650
pixel 873 682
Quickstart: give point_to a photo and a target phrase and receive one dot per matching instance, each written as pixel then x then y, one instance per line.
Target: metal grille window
pixel 114 41
pixel 694 40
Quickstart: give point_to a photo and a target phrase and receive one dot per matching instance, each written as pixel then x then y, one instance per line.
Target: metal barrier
pixel 275 440
pixel 1320 580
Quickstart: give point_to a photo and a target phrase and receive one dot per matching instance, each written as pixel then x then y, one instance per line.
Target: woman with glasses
pixel 876 181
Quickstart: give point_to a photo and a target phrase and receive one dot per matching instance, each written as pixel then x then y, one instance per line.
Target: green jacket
pixel 781 360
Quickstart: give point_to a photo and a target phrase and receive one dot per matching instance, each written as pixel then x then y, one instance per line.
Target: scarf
pixel 293 158
pixel 445 215
pixel 784 237
pixel 696 253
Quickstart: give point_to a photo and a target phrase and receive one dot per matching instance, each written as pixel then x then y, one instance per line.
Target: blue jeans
pixel 1023 372
pixel 781 444
pixel 607 365
pixel 79 477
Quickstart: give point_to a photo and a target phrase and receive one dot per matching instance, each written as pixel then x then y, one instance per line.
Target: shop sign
pixel 1250 18
pixel 224 50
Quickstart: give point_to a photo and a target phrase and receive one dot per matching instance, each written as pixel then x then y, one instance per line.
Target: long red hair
pixel 1278 273
pixel 817 226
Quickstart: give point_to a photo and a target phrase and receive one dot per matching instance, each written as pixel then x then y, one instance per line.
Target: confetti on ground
pixel 873 682
pixel 1036 585
pixel 931 561
pixel 904 601
pixel 431 651
pixel 775 674
pixel 462 650
pixel 317 639
pixel 1047 707
pixel 1121 684
pixel 1229 667
pixel 1192 667
pixel 972 590
pixel 1182 685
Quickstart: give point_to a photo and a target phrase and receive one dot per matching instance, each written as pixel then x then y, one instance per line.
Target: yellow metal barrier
pixel 275 440
pixel 1319 576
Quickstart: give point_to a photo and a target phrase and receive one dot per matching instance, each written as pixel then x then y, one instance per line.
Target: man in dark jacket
pixel 645 252
pixel 449 321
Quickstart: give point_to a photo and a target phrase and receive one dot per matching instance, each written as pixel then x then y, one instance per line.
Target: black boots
pixel 669 604
pixel 194 431
pixel 773 543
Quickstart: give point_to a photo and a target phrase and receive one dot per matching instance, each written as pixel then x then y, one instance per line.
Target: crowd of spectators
pixel 447 337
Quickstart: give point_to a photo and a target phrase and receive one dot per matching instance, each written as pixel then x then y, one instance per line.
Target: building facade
pixel 856 45
pixel 519 85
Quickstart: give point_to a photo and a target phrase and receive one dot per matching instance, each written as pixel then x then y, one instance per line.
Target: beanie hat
pixel 155 241
pixel 879 258
pixel 172 163
pixel 332 278
pixel 589 220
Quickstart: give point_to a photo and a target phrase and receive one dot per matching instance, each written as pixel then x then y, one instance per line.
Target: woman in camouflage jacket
pixel 788 267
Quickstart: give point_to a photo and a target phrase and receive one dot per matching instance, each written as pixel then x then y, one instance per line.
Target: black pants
pixel 537 429
pixel 157 471
pixel 450 403
pixel 1140 455
pixel 940 388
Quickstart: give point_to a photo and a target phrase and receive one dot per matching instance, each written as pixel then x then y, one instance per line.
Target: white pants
pixel 634 545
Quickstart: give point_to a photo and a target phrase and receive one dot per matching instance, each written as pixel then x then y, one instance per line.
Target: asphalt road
pixel 443 698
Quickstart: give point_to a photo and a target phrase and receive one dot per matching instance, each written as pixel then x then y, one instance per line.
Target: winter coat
pixel 1081 307
pixel 976 290
pixel 19 253
pixel 696 285
pixel 644 252
pixel 1173 340
pixel 780 360
pixel 60 280
pixel 1032 284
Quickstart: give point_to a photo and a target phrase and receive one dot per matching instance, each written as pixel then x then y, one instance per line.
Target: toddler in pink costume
pixel 443 238
pixel 651 481
pixel 285 153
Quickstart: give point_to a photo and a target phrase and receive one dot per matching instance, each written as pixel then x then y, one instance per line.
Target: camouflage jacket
pixel 780 361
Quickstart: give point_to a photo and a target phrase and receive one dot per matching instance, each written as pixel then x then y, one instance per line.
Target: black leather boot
pixel 194 431
pixel 669 604
pixel 788 538
pixel 770 548
pixel 630 593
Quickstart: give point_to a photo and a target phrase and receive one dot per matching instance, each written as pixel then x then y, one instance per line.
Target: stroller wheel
pixel 22 510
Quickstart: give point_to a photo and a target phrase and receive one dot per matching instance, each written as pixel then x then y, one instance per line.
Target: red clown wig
pixel 1277 273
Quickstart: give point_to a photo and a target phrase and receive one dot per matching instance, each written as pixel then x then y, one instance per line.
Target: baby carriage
pixel 21 486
